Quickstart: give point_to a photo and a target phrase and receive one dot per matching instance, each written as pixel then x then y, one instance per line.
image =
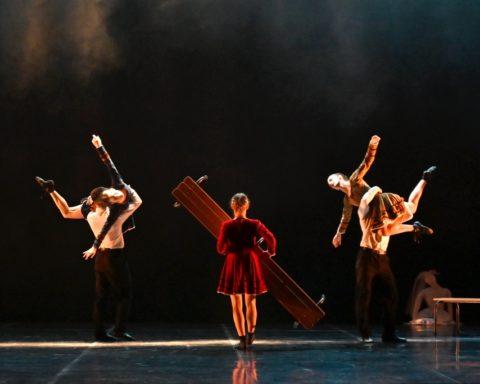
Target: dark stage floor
pixel 204 354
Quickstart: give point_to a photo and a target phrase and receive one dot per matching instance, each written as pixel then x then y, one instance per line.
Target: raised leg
pixel 395 229
pixel 415 195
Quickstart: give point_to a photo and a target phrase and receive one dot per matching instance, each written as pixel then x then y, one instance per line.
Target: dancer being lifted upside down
pixel 106 211
pixel 389 210
pixel 242 275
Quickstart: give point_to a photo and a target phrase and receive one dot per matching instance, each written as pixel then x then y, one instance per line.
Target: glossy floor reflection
pixel 205 354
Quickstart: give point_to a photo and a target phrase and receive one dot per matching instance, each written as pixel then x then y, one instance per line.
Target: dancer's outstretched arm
pixel 344 221
pixel 67 211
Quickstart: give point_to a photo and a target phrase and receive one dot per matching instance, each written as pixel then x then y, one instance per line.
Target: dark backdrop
pixel 266 97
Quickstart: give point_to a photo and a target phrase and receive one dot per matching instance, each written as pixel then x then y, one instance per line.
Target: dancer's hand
pixel 96 141
pixel 337 240
pixel 270 254
pixel 90 253
pixel 374 141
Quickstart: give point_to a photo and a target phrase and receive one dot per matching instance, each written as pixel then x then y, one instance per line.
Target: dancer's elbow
pixel 72 214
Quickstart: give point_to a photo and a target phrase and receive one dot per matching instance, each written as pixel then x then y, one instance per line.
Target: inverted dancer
pixel 242 276
pixel 372 270
pixel 391 211
pixel 106 211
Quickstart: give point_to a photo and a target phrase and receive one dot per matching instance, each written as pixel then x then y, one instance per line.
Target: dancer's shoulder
pixel 254 222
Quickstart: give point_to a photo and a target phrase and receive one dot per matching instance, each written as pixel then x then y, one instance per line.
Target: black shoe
pixel 419 230
pixel 242 346
pixel 428 174
pixel 48 186
pixel 105 338
pixel 123 336
pixel 250 338
pixel 394 339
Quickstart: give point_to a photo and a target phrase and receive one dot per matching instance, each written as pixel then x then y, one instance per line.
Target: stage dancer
pixel 106 211
pixel 372 271
pixel 242 276
pixel 391 212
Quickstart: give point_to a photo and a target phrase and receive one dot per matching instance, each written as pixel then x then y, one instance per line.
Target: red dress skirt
pixel 242 270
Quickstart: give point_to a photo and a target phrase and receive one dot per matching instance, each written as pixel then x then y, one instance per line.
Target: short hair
pixel 97 196
pixel 239 200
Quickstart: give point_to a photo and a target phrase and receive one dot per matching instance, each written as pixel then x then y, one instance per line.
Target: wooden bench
pixel 452 300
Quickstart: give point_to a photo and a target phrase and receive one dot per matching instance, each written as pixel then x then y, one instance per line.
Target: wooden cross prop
pixel 190 195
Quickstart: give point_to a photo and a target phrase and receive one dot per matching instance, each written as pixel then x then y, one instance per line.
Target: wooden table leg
pixel 435 318
pixel 458 318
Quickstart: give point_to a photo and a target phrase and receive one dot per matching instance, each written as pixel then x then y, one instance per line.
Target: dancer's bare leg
pixel 397 229
pixel 396 226
pixel 237 310
pixel 418 228
pixel 415 196
pixel 251 304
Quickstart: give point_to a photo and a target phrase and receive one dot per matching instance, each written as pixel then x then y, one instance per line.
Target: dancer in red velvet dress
pixel 242 273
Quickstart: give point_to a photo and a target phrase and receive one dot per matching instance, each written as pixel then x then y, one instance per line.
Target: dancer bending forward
pixel 389 210
pixel 106 210
pixel 242 275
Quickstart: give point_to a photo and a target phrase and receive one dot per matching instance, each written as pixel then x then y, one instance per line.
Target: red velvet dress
pixel 242 271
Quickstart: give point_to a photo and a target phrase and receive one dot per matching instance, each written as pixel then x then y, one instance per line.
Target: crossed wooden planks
pixel 281 286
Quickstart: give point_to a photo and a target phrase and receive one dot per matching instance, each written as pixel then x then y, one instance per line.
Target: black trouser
pixel 112 276
pixel 373 270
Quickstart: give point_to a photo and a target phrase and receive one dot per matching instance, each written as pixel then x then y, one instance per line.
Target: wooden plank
pixel 461 300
